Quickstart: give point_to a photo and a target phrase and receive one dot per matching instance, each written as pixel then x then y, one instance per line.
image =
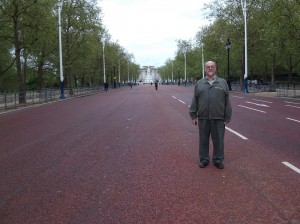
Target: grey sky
pixel 149 28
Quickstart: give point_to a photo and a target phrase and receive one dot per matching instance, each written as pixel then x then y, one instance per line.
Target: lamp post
pixel 178 76
pixel 244 7
pixel 167 74
pixel 119 72
pixel 202 61
pixel 103 45
pixel 115 79
pixel 62 95
pixel 172 74
pixel 184 54
pixel 228 45
pixel 128 72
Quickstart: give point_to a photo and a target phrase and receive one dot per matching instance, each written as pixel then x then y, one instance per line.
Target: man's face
pixel 210 69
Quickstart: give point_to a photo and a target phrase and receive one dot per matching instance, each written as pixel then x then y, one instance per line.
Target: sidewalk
pixel 268 94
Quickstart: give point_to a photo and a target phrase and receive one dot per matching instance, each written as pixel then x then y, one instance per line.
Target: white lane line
pixel 292 106
pixel 262 101
pixel 238 97
pixel 261 105
pixel 291 102
pixel 253 109
pixel 178 100
pixel 292 119
pixel 292 167
pixel 238 134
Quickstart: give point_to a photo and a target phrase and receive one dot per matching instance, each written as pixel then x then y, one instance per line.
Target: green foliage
pixel 29 47
pixel 29 51
pixel 273 40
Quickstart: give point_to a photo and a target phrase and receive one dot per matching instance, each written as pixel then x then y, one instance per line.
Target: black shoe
pixel 219 165
pixel 203 164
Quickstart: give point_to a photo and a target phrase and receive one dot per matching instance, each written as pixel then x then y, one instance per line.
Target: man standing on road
pixel 211 110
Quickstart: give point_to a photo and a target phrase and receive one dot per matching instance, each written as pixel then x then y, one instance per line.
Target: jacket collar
pixel 216 79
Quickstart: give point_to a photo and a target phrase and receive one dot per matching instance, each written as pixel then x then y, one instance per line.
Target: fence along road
pixel 130 156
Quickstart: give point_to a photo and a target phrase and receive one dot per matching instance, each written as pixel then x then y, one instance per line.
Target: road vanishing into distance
pixel 131 156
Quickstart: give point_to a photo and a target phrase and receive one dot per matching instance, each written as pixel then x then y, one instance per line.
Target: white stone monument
pixel 148 74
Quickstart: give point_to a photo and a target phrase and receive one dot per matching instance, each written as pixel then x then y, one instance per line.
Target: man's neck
pixel 211 78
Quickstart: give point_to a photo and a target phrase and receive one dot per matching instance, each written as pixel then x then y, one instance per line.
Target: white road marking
pixel 236 133
pixel 292 119
pixel 261 105
pixel 291 102
pixel 253 109
pixel 292 106
pixel 292 167
pixel 178 100
pixel 263 101
pixel 238 97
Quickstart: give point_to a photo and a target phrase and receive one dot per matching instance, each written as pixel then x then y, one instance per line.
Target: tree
pixel 14 19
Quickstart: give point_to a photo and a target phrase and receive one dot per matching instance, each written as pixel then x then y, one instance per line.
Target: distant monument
pixel 148 74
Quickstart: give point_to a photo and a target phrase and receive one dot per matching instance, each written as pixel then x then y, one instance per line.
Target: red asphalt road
pixel 131 156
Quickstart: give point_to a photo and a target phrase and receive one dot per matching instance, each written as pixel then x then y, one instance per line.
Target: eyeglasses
pixel 210 66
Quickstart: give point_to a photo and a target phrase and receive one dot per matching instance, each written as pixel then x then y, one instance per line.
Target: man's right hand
pixel 195 122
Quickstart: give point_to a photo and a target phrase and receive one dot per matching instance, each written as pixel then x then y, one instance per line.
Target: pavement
pixel 131 157
pixel 266 94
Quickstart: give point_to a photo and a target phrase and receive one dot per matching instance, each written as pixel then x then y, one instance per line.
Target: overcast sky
pixel 149 28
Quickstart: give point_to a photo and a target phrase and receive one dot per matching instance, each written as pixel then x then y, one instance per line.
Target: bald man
pixel 211 110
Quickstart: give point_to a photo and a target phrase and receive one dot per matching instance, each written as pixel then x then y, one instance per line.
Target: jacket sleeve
pixel 228 108
pixel 194 105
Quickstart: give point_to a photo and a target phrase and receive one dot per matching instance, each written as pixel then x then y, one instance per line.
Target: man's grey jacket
pixel 211 101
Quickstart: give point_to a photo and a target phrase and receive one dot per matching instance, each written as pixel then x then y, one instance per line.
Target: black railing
pixel 11 100
pixel 282 90
pixel 288 90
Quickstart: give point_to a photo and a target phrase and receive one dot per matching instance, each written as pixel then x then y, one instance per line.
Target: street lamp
pixel 178 76
pixel 119 72
pixel 62 95
pixel 128 71
pixel 115 80
pixel 172 74
pixel 103 45
pixel 228 45
pixel 244 7
pixel 184 54
pixel 202 61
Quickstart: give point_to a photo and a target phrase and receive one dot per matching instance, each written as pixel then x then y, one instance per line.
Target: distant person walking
pixel 156 85
pixel 211 110
pixel 106 86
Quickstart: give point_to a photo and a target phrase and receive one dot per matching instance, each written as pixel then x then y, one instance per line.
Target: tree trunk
pixel 21 80
pixel 40 70
pixel 273 69
pixel 290 65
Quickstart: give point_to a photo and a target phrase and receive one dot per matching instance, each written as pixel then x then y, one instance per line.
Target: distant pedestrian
pixel 106 86
pixel 156 85
pixel 130 85
pixel 211 110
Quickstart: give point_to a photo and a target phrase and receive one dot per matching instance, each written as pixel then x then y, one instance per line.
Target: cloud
pixel 149 29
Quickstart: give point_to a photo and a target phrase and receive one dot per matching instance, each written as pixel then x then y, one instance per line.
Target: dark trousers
pixel 215 129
